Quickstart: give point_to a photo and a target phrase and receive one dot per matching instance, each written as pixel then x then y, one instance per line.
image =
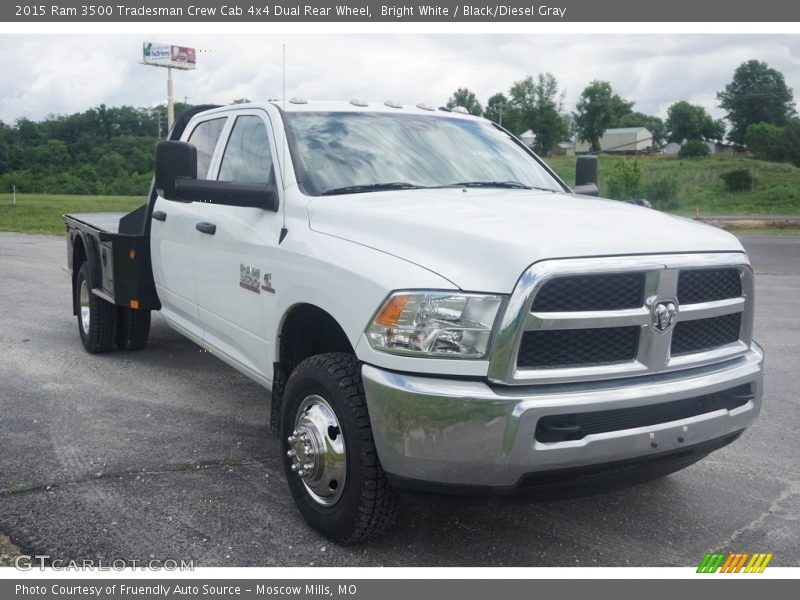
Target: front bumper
pixel 465 435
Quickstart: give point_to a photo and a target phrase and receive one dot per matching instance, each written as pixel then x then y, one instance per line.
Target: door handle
pixel 159 215
pixel 208 228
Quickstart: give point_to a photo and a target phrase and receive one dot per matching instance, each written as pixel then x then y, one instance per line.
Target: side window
pixel 247 156
pixel 204 137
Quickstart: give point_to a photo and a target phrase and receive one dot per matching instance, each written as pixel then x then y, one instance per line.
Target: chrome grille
pixel 576 319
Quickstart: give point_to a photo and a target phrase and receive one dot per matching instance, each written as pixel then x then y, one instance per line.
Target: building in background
pixel 718 147
pixel 528 138
pixel 623 140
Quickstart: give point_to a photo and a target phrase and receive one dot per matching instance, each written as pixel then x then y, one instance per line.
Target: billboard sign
pixel 165 55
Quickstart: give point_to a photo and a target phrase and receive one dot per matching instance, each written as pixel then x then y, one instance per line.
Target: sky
pixel 63 74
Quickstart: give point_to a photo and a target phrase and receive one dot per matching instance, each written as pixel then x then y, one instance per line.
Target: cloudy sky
pixel 64 74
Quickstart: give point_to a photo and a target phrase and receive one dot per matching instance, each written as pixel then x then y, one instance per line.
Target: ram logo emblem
pixel 664 314
pixel 249 278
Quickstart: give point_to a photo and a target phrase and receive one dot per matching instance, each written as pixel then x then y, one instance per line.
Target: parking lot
pixel 166 454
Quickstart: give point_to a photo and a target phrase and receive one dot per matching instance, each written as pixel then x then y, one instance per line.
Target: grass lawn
pixel 776 190
pixel 41 213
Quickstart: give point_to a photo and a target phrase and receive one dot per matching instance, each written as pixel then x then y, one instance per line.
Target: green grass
pixel 41 213
pixel 776 190
pixel 771 231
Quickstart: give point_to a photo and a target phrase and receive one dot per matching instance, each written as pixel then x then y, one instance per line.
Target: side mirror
pixel 176 179
pixel 586 176
pixel 175 161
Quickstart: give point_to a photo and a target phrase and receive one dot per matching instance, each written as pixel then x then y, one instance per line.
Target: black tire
pixel 367 505
pixel 99 334
pixel 133 328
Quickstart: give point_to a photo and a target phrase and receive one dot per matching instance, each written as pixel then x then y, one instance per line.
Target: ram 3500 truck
pixel 434 311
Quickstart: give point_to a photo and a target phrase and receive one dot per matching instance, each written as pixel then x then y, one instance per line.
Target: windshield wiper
pixel 499 184
pixel 372 187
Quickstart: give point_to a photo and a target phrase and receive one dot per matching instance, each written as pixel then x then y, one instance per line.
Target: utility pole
pixel 170 100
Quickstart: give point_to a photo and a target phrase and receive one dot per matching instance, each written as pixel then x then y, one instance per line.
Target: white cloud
pixel 65 74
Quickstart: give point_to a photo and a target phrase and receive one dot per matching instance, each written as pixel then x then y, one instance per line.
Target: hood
pixel 483 239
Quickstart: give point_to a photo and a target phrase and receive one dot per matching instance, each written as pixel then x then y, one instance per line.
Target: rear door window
pixel 205 137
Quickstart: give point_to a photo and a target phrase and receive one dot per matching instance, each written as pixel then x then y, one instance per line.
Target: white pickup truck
pixel 434 311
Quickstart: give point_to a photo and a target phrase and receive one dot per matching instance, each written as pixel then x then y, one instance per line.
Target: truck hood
pixel 483 239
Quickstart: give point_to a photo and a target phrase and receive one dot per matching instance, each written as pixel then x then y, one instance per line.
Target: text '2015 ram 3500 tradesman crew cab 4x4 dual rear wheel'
pixel 433 309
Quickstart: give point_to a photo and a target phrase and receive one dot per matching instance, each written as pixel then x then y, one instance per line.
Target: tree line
pixel 104 150
pixel 758 105
pixel 109 150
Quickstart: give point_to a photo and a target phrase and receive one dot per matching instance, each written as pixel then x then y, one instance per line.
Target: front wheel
pixel 330 460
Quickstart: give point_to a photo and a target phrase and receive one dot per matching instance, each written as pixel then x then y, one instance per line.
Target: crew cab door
pixel 231 254
pixel 173 238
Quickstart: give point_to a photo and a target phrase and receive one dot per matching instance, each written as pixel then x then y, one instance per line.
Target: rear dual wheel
pixel 104 326
pixel 97 319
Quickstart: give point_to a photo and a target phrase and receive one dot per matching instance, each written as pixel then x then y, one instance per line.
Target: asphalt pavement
pixel 166 454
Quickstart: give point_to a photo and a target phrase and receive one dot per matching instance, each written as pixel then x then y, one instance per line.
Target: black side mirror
pixel 586 176
pixel 174 161
pixel 176 179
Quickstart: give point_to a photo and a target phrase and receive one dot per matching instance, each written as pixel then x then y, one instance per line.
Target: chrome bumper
pixel 458 432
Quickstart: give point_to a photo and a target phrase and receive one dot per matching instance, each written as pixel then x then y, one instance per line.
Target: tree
pixel 653 124
pixel 692 122
pixel 757 94
pixel 597 109
pixel 537 105
pixel 466 98
pixel 496 108
pixel 765 141
pixel 625 181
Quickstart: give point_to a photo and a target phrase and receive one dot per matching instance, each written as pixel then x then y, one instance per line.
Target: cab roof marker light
pixel 460 109
pixel 298 100
pixel 393 104
pixel 359 102
pixel 424 106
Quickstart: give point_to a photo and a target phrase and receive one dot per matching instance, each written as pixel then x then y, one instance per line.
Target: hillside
pixel 776 190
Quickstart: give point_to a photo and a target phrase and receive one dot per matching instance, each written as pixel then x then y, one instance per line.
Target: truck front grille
pixel 573 347
pixel 591 319
pixel 705 334
pixel 707 285
pixel 614 291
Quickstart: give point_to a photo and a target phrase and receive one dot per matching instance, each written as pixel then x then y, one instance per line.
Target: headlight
pixel 443 324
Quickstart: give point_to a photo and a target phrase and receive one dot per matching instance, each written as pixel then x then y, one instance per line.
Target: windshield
pixel 350 152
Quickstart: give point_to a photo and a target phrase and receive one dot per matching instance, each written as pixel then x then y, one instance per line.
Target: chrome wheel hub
pixel 317 451
pixel 84 301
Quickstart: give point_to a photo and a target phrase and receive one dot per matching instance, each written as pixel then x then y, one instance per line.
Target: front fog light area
pixel 435 324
